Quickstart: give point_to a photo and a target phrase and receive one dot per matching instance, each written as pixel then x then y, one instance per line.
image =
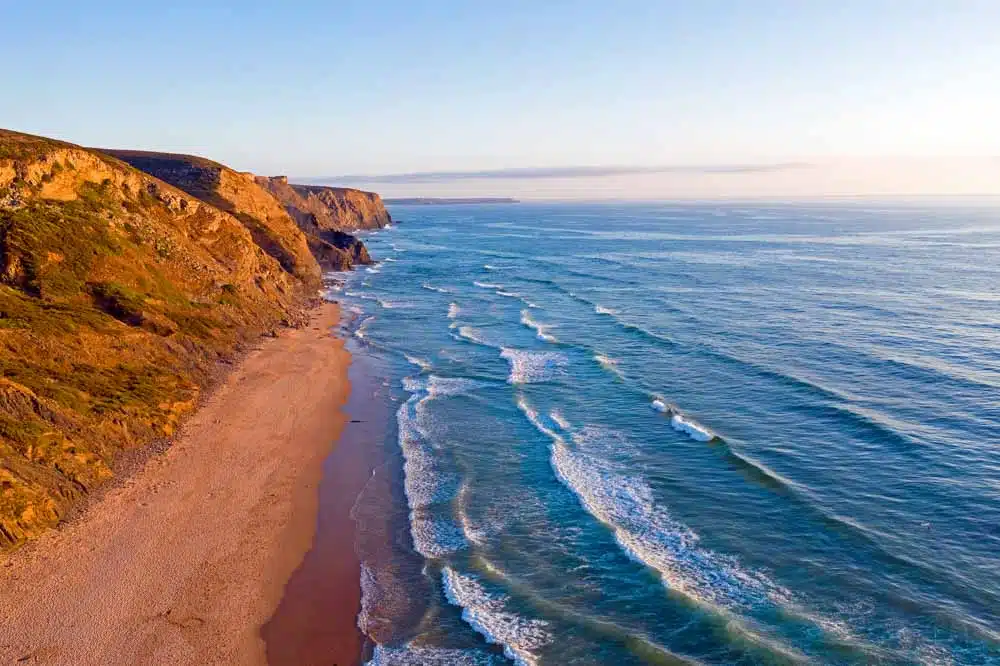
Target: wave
pixel 600 309
pixel 692 429
pixel 373 269
pixel 488 613
pixel 392 305
pixel 609 364
pixel 541 330
pixel 429 656
pixel 423 364
pixel 453 310
pixel 682 423
pixel 530 367
pixel 487 285
pixel 473 335
pixel 426 483
pixel 509 294
pixel 361 332
pixel 643 529
pixel 441 290
pixel 362 296
pixel 490 267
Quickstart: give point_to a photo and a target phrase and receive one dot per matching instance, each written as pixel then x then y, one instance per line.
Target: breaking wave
pixel 541 330
pixel 581 459
pixel 489 614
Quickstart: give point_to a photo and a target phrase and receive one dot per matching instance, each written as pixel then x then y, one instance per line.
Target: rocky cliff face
pixel 119 295
pixel 329 208
pixel 236 193
pixel 326 214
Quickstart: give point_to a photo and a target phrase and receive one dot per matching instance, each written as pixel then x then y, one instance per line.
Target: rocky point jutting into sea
pixel 127 280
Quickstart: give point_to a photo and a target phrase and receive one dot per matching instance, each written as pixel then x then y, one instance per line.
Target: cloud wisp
pixel 539 173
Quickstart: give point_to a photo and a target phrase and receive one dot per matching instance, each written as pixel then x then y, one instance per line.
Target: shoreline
pixel 185 560
pixel 316 621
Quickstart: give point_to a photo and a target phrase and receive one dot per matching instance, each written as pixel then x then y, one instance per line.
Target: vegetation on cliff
pixel 119 296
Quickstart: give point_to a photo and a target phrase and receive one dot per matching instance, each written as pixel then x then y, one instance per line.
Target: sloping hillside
pixel 119 295
pixel 236 193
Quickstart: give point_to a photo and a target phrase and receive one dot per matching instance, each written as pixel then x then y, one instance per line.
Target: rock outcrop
pixel 325 215
pixel 119 296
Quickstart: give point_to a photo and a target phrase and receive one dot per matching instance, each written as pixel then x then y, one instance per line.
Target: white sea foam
pixel 487 285
pixel 583 460
pixel 362 331
pixel 361 295
pixel 509 294
pixel 528 367
pixel 693 429
pixel 560 420
pixel 389 259
pixel 541 330
pixel 425 482
pixel 373 269
pixel 440 290
pixel 392 305
pixel 681 423
pixel 453 310
pixel 429 656
pixel 423 364
pixel 608 363
pixel 490 267
pixel 600 309
pixel 473 335
pixel 489 614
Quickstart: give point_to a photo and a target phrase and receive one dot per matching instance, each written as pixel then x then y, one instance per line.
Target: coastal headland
pixel 171 385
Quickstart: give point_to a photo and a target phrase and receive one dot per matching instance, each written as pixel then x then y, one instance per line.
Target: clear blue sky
pixel 325 88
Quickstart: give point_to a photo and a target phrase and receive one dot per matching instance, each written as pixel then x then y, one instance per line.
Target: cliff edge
pixel 328 208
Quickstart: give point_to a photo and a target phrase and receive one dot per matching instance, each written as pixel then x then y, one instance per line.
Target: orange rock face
pixel 120 294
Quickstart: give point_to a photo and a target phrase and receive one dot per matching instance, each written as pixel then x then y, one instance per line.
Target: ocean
pixel 684 433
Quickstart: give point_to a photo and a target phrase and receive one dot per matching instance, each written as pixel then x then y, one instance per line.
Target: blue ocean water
pixel 666 434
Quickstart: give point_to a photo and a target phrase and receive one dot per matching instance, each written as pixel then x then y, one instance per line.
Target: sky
pixel 328 90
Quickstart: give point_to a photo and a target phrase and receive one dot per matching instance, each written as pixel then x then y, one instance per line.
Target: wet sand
pixel 187 559
pixel 316 622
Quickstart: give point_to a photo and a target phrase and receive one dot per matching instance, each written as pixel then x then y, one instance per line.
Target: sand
pixel 187 559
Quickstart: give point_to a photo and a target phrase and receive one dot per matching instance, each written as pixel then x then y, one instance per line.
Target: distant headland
pixel 438 201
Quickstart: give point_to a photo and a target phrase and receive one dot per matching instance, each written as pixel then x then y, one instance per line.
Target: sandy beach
pixel 187 559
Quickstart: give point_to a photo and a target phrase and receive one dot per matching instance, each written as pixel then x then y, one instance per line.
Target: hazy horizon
pixel 846 178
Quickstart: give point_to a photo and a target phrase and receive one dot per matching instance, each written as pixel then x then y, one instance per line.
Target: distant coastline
pixel 443 201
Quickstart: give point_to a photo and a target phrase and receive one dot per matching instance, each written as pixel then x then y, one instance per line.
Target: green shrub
pixel 119 301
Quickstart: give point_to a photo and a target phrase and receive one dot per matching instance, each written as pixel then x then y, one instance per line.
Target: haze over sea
pixel 671 433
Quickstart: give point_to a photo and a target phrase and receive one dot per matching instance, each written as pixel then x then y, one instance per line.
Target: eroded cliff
pixel 237 193
pixel 119 296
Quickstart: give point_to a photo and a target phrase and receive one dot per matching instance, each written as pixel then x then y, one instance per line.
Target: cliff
pixel 120 294
pixel 329 208
pixel 236 193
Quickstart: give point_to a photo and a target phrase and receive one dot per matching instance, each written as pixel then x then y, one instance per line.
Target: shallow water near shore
pixel 665 434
